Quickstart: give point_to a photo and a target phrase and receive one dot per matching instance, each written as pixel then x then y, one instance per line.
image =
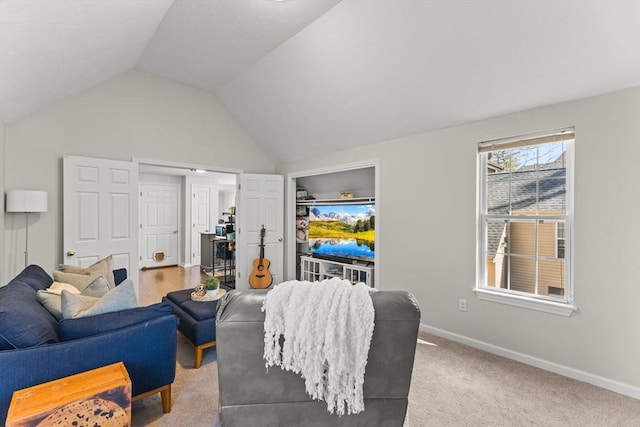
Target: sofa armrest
pixel 148 350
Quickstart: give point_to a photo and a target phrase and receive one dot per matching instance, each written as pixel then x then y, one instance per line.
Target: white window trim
pixel 553 307
pixel 563 308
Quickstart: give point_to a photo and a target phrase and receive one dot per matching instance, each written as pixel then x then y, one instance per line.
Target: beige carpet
pixel 452 385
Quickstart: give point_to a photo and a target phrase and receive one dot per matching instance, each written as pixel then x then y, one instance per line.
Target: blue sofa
pixel 36 348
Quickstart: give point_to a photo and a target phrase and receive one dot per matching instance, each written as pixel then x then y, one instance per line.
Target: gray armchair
pixel 249 395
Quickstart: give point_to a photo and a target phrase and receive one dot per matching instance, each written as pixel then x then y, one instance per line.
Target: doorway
pixel 158 223
pixel 202 196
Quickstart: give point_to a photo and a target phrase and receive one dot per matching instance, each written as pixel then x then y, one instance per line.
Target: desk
pixel 217 253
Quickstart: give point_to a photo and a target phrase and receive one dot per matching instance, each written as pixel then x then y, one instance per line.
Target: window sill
pixel 559 308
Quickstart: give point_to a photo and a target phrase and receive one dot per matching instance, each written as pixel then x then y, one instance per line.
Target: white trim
pixel 187 166
pixel 538 304
pixel 334 168
pixel 567 371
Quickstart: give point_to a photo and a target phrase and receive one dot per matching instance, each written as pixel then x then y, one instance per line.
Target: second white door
pixel 158 225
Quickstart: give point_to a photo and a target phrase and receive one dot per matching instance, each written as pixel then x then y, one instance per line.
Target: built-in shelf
pixel 315 270
pixel 354 200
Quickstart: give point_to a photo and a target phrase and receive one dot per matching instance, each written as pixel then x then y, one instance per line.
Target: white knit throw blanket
pixel 327 328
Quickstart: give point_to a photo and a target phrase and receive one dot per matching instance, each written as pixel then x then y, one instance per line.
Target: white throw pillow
pixel 58 287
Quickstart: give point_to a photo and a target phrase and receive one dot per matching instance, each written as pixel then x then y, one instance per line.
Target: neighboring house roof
pixel 558 163
pixel 515 191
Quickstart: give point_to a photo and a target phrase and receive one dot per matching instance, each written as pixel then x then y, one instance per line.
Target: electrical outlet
pixel 462 304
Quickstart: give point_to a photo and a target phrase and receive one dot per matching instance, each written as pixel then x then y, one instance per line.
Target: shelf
pixel 354 200
pixel 314 269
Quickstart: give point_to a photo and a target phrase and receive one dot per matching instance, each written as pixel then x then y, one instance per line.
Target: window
pixel 524 213
pixel 560 241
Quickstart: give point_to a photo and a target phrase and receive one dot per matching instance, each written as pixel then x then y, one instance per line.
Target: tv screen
pixel 343 231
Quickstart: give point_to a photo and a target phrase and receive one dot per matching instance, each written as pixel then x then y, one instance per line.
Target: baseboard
pixel 606 383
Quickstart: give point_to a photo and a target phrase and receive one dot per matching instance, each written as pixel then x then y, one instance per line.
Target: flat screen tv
pixel 343 232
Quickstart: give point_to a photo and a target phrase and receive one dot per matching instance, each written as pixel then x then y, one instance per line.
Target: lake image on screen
pixel 346 231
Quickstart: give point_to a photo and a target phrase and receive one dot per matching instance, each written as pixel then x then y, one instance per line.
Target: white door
pixel 200 218
pixel 100 212
pixel 260 202
pixel 158 225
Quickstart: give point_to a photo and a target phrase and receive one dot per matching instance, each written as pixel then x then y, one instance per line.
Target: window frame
pixel 562 306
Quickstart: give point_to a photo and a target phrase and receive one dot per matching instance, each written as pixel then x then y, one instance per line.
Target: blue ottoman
pixel 197 319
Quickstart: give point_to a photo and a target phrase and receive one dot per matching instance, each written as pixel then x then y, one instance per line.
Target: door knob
pixel 71 252
pixel 279 239
pixel 175 232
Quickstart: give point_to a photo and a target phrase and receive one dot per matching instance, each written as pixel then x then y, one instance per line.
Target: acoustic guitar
pixel 260 277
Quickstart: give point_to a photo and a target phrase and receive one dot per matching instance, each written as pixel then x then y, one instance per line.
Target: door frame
pixel 186 166
pixel 290 211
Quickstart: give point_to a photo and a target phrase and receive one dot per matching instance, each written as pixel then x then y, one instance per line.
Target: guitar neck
pixel 262 233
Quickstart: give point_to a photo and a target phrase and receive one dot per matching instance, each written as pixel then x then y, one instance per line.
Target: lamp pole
pixel 26 201
pixel 26 242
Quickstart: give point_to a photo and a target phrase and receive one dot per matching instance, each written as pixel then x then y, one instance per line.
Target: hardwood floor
pixel 154 283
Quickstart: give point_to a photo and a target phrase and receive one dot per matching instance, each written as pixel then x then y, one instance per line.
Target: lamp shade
pixel 26 201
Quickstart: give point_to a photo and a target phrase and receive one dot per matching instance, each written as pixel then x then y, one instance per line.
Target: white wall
pixel 426 235
pixel 226 199
pixel 2 167
pixel 133 115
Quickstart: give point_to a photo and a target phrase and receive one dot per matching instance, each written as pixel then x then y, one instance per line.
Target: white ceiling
pixel 306 77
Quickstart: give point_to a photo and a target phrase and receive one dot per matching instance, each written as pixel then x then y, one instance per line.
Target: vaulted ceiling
pixel 306 77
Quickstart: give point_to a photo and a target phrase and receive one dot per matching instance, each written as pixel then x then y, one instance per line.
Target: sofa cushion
pixel 35 277
pixel 119 298
pixel 71 329
pixel 103 267
pixel 24 322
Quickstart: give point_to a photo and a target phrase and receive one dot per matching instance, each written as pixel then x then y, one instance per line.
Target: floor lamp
pixel 26 201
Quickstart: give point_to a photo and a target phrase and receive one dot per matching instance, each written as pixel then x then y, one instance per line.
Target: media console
pixel 316 269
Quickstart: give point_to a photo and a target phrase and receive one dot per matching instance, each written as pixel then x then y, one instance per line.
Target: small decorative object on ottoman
pixel 209 291
pixel 197 317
